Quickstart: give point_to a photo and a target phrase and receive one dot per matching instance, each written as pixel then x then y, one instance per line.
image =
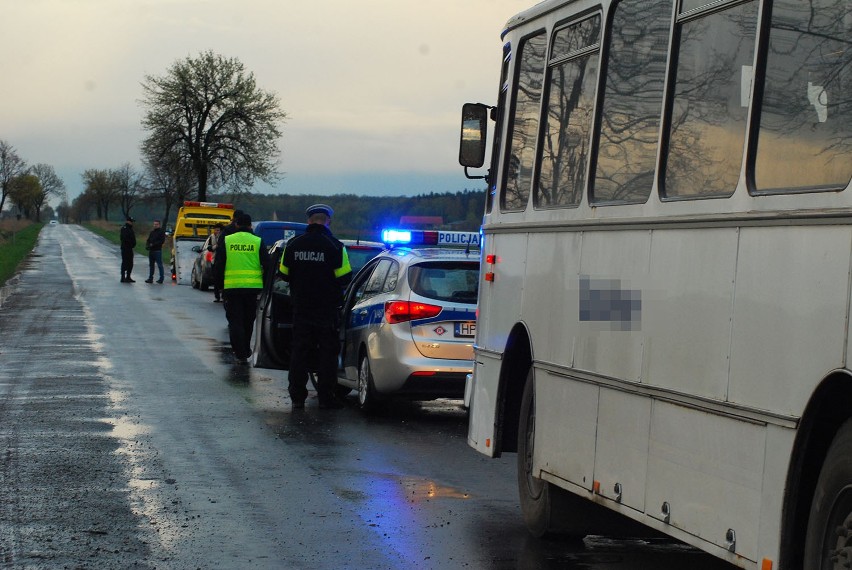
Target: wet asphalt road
pixel 129 440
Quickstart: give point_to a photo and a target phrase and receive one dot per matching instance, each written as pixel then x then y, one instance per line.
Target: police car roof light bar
pixel 438 238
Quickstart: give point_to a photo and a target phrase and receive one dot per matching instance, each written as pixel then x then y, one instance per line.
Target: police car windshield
pixel 453 281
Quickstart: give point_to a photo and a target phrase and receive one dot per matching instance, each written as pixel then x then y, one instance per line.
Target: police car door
pixel 364 313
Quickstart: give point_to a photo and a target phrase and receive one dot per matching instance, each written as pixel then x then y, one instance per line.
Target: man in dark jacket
pixel 154 245
pixel 317 267
pixel 128 242
pixel 238 272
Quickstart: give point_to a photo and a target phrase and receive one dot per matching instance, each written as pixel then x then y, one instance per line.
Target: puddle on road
pixel 412 489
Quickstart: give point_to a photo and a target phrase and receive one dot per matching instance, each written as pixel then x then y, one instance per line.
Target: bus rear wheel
pixel 550 510
pixel 544 506
pixel 828 543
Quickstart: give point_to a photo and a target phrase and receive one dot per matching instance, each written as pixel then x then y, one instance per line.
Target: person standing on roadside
pixel 238 272
pixel 154 245
pixel 316 265
pixel 230 228
pixel 214 243
pixel 128 242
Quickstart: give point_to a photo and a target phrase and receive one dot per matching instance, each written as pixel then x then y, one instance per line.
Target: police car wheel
pixel 368 399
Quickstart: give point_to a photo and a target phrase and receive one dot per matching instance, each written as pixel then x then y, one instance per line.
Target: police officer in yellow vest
pixel 238 269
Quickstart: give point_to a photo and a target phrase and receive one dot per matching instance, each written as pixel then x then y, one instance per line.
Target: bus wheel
pixel 543 505
pixel 828 543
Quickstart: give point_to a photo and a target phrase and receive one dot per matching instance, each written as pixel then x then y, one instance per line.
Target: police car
pixel 409 319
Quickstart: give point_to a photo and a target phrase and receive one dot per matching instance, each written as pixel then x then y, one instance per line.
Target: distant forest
pixel 354 216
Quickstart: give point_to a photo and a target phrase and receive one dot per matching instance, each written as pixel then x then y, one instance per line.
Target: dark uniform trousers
pixel 240 309
pixel 126 261
pixel 314 349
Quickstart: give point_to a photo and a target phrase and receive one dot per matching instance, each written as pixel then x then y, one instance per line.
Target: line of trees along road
pixel 354 216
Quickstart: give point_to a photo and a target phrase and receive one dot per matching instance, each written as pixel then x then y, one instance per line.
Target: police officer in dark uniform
pixel 128 242
pixel 317 268
pixel 238 271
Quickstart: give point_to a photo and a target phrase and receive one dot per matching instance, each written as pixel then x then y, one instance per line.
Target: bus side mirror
pixel 474 130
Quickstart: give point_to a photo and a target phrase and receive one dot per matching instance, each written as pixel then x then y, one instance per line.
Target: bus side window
pixel 707 121
pixel 806 115
pixel 570 108
pixel 633 102
pixel 524 123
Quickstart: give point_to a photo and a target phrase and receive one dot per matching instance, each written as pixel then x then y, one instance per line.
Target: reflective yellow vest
pixel 242 261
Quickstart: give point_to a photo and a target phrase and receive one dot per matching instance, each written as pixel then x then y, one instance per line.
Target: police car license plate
pixel 466 329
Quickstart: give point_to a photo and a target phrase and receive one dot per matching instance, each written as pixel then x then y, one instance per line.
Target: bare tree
pixel 101 190
pixel 11 166
pixel 169 181
pixel 128 187
pixel 51 185
pixel 209 114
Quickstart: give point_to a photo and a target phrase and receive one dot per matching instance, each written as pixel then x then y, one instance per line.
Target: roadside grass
pixel 17 240
pixel 112 232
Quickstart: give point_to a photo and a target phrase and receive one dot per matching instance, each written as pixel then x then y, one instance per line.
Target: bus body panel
pixel 504 295
pixel 686 310
pixel 621 457
pixel 709 470
pixel 483 403
pixel 791 281
pixel 779 449
pixel 569 417
pixel 552 272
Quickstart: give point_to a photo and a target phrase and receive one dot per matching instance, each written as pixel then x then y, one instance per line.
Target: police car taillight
pixel 403 311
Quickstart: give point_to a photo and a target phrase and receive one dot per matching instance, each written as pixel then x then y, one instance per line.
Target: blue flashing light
pixel 396 236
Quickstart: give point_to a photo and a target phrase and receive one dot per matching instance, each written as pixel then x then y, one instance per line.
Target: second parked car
pixel 202 268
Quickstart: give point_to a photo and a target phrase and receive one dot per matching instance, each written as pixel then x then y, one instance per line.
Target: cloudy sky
pixel 372 88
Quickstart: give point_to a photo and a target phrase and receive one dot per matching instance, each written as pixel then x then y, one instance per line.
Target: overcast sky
pixel 372 88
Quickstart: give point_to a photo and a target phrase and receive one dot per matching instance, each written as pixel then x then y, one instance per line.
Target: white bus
pixel 664 311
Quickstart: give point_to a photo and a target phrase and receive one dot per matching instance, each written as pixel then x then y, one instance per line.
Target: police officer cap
pixel 242 220
pixel 319 209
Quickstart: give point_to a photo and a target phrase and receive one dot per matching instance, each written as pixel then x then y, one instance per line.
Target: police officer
pixel 317 268
pixel 238 271
pixel 225 231
pixel 128 242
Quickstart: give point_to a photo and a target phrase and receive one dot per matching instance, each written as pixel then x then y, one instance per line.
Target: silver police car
pixel 409 320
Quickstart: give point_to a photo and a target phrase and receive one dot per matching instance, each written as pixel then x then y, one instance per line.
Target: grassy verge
pixel 17 240
pixel 112 232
